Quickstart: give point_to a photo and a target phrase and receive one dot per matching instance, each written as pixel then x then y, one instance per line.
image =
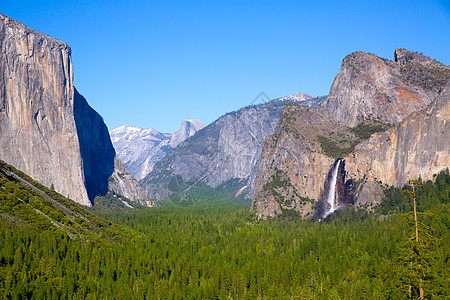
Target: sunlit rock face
pixel 38 134
pixel 419 146
pixel 294 168
pixel 123 183
pixel 228 149
pixel 370 87
pixel 47 129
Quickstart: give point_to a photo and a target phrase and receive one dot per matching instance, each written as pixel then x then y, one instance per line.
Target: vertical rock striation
pixel 47 129
pixel 38 134
pixel 417 147
pixel 297 158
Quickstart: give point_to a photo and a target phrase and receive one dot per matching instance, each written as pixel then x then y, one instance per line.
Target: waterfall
pixel 332 198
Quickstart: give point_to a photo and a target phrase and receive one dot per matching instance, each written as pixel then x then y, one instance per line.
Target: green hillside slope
pixel 52 248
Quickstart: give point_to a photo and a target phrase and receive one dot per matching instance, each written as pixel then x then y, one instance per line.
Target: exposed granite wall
pixel 47 129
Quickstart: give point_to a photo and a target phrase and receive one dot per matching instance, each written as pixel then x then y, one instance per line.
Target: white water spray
pixel 332 198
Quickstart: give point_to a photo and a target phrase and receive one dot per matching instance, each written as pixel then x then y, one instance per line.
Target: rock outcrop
pixel 139 149
pixel 370 87
pixel 296 161
pixel 47 129
pixel 188 128
pixel 417 147
pixel 123 183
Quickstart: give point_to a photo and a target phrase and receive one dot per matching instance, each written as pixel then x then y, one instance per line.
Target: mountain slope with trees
pixel 220 252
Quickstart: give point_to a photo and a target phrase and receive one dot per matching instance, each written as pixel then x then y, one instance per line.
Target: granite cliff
pixel 372 87
pixel 227 149
pixel 123 183
pixel 47 129
pixel 417 147
pixel 102 168
pixel 296 161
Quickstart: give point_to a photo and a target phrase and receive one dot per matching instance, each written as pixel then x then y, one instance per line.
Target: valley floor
pixel 223 252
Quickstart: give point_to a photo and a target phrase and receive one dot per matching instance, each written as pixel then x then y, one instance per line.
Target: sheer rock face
pixel 47 129
pixel 225 155
pixel 38 133
pixel 418 146
pixel 103 170
pixel 95 146
pixel 188 128
pixel 372 87
pixel 294 167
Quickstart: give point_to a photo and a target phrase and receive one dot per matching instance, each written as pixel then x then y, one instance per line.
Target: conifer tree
pixel 415 252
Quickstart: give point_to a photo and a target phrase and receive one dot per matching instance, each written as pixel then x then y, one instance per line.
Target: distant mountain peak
pixel 188 128
pixel 297 97
pixel 140 148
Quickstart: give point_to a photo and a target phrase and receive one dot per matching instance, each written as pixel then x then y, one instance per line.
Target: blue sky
pixel 154 63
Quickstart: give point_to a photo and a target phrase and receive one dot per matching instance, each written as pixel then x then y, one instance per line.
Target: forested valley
pixel 222 251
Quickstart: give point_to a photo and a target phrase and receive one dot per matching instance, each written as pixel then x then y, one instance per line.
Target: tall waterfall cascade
pixel 332 197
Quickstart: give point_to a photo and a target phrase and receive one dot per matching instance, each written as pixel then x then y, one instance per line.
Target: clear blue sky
pixel 154 63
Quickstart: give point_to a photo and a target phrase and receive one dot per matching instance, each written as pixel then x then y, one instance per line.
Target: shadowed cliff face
pixel 102 169
pixel 96 148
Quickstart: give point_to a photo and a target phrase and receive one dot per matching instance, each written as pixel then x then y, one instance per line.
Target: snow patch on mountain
pixel 140 148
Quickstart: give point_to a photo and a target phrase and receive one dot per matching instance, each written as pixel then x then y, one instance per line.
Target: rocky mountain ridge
pixel 225 154
pixel 372 87
pixel 47 129
pixel 293 177
pixel 139 149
